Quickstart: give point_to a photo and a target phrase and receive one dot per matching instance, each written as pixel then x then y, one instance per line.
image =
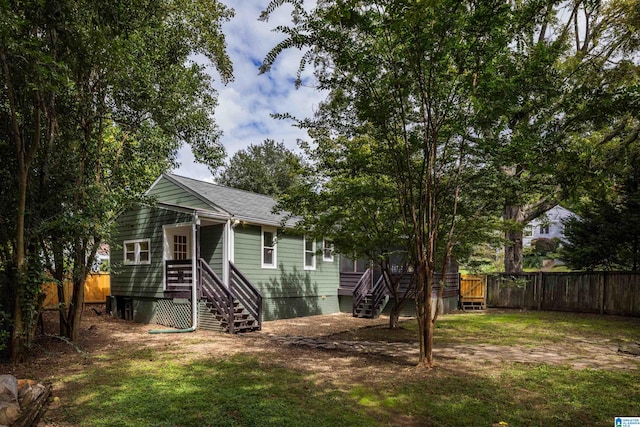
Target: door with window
pixel 177 255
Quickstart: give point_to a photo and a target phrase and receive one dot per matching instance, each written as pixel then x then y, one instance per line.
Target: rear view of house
pixel 224 249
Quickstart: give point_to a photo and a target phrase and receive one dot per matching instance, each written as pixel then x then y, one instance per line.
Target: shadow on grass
pixel 151 388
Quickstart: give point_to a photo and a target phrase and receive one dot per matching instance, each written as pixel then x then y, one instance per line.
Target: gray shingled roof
pixel 240 204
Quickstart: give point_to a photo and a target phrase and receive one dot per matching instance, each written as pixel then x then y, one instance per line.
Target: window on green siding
pixel 269 248
pixel 309 254
pixel 327 250
pixel 137 252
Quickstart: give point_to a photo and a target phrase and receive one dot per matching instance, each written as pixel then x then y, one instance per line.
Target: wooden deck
pixel 349 280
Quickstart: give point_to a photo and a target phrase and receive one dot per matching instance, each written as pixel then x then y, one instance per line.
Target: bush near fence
pixel 583 292
pixel 96 288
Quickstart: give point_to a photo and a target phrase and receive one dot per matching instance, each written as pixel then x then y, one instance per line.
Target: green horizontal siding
pixel 212 247
pixel 289 290
pixel 141 223
pixel 168 192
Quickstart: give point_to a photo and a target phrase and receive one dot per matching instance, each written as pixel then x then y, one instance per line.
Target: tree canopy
pixel 268 168
pixel 406 75
pixel 473 107
pixel 95 101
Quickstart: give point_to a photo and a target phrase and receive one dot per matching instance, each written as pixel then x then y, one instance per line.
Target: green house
pixel 222 248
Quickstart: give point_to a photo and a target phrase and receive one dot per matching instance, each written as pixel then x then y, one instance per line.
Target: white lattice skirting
pixel 173 314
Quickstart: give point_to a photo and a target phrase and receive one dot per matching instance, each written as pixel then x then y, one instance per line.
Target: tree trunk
pixel 75 308
pixel 394 315
pixel 18 343
pixel 513 234
pixel 425 323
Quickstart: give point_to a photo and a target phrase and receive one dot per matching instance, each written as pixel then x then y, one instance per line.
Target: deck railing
pixel 246 293
pixel 451 284
pixel 179 275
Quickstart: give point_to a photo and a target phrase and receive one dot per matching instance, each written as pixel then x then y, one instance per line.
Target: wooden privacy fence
pixel 595 292
pixel 96 288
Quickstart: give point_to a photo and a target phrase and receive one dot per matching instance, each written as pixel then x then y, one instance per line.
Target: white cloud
pixel 245 104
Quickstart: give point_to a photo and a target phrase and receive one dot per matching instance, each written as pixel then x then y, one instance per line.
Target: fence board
pixel 96 289
pixel 584 292
pixel 513 291
pixel 622 294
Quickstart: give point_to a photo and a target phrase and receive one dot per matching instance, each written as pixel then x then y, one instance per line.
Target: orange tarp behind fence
pixel 96 289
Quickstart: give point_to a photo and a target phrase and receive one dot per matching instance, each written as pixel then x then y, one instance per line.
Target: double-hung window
pixel 269 248
pixel 309 253
pixel 327 250
pixel 137 252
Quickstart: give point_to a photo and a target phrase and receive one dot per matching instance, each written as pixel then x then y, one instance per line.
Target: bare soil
pixel 322 345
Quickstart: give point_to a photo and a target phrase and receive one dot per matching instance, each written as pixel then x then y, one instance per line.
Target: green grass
pixel 528 328
pixel 239 391
pixel 148 387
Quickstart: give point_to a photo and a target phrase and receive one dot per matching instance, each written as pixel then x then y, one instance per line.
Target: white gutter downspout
pixel 225 250
pixel 194 272
pixel 194 284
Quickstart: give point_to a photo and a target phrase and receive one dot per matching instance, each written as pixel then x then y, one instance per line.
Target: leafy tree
pixel 603 171
pixel 607 233
pixel 405 74
pixel 345 195
pixel 269 168
pixel 96 98
pixel 560 79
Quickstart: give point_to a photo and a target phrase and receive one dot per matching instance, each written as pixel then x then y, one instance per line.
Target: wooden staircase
pixel 237 308
pixel 369 301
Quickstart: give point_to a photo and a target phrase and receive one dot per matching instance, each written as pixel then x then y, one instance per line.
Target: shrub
pixel 544 246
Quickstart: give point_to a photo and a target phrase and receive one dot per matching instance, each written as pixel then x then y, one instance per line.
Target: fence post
pixel 603 283
pixel 540 289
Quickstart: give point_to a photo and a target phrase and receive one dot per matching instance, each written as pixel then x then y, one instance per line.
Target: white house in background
pixel 547 226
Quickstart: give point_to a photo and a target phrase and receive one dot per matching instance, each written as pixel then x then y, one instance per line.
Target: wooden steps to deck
pixel 243 321
pixel 472 305
pixel 236 307
pixel 365 309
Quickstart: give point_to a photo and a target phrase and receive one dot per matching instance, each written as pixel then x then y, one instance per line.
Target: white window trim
pixel 275 246
pixel 324 247
pixel 304 254
pixel 136 243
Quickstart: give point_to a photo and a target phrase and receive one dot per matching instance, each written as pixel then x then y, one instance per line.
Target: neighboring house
pixel 245 264
pixel 548 226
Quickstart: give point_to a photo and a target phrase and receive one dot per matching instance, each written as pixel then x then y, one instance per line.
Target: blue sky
pixel 245 104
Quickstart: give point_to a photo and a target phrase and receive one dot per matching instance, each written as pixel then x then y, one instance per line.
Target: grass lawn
pixel 269 386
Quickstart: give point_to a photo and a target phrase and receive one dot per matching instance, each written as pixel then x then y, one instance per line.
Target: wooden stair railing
pixel 214 290
pixel 246 293
pixel 361 290
pixel 378 294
